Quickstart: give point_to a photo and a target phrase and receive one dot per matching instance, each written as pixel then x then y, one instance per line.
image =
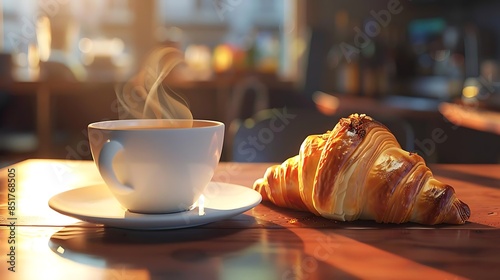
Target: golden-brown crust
pixel 359 171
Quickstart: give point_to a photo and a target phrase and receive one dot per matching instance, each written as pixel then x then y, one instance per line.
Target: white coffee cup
pixel 156 166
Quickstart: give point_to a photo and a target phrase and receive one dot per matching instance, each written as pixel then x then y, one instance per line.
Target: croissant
pixel 359 171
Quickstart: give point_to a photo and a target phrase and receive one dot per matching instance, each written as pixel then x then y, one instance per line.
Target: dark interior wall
pixel 479 20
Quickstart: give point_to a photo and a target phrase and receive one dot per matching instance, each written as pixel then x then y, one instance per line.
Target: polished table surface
pixel 265 242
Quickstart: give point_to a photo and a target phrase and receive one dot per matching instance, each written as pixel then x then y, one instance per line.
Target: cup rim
pixel 121 125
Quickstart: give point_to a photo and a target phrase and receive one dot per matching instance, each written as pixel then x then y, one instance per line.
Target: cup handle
pixel 108 153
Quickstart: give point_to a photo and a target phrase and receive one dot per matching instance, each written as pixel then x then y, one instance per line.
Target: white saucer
pixel 96 204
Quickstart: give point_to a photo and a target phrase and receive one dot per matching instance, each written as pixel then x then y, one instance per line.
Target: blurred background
pixel 273 70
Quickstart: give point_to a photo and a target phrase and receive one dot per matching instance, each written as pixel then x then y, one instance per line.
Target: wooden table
pixel 263 243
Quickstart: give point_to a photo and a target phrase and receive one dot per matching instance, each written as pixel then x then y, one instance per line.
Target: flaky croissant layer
pixel 359 171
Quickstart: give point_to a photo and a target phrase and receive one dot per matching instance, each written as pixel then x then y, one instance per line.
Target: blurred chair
pixel 56 71
pixel 249 96
pixel 249 90
pixel 273 135
pixel 62 67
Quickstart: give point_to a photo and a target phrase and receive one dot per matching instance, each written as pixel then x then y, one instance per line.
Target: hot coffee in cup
pixel 156 166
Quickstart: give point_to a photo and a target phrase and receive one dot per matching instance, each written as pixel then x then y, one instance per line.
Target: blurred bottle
pixel 343 57
pixel 267 53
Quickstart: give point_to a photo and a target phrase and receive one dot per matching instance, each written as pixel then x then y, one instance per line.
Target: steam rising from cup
pixel 146 97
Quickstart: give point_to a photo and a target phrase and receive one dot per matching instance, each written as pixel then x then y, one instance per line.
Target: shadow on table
pixel 472 254
pixel 232 252
pixel 468 250
pixel 270 213
pixel 470 177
